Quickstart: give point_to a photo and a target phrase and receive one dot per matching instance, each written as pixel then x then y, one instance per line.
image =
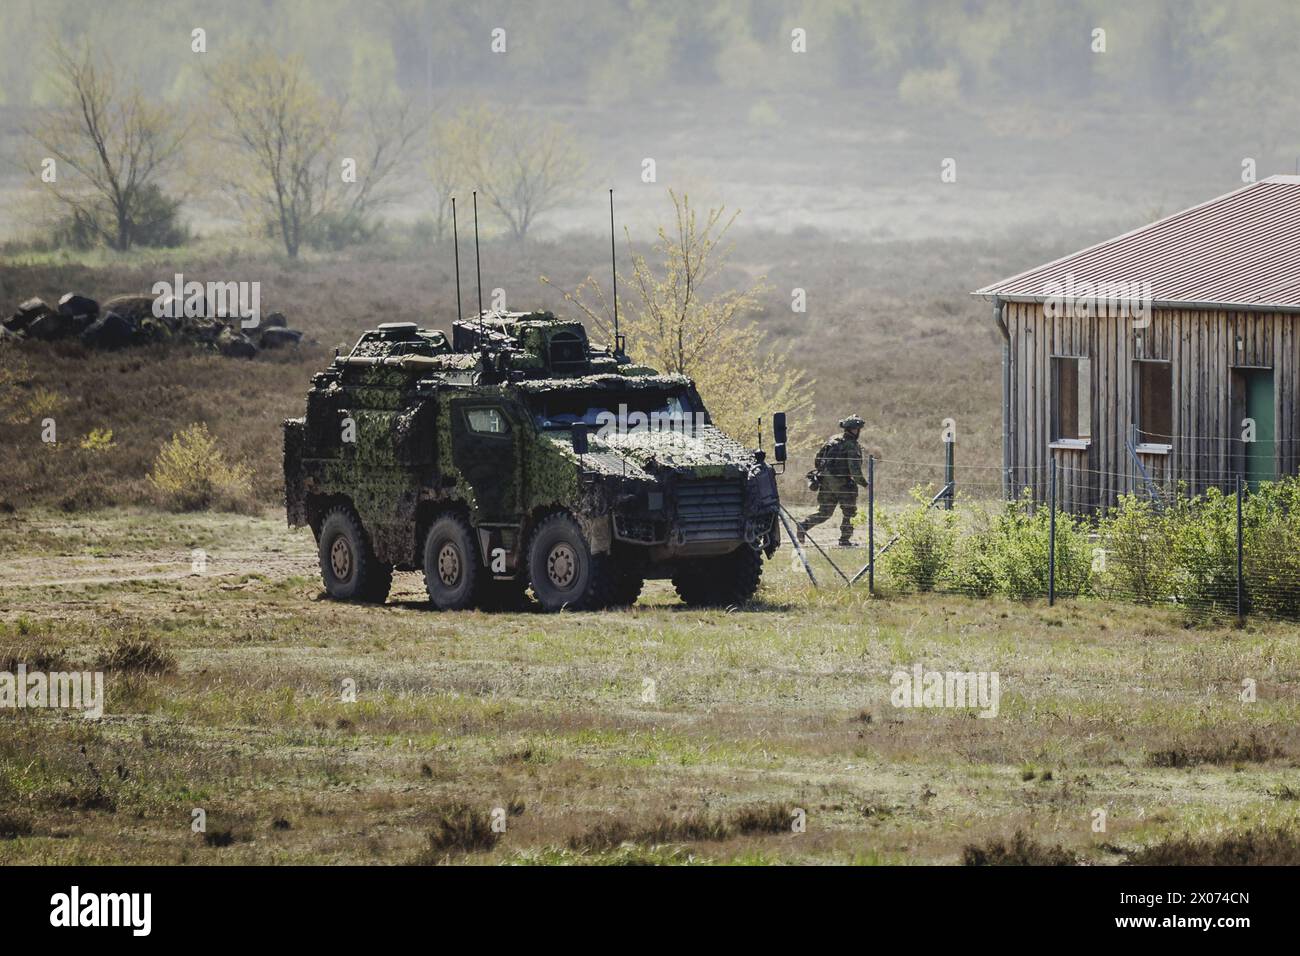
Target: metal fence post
pixel 871 524
pixel 1051 539
pixel 1241 589
pixel 949 477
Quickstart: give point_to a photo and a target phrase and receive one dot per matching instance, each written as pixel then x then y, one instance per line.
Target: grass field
pixel 754 713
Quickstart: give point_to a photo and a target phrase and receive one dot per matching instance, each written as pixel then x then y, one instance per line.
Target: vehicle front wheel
pixel 348 566
pixel 451 564
pixel 563 571
pixel 719 582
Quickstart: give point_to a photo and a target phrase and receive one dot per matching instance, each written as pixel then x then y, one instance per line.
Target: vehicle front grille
pixel 710 510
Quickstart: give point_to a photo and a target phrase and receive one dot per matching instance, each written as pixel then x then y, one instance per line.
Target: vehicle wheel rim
pixel 562 566
pixel 341 558
pixel 448 565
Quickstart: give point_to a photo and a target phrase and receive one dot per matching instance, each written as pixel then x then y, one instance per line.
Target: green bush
pixel 923 542
pixel 154 221
pixel 976 569
pixel 1203 539
pixel 1271 548
pixel 1139 560
pixel 1017 548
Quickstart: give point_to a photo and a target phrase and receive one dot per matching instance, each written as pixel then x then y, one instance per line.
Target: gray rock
pixel 232 344
pixel 27 313
pixel 51 327
pixel 109 331
pixel 79 306
pixel 131 307
pixel 275 338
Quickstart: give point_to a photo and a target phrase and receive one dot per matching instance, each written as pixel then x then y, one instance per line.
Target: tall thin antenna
pixel 455 239
pixel 613 267
pixel 478 270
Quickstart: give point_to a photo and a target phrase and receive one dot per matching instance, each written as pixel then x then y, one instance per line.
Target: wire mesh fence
pixel 1232 547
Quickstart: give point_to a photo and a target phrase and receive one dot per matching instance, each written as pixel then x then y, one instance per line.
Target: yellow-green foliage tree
pixel 191 473
pixel 522 166
pixel 279 131
pixel 679 321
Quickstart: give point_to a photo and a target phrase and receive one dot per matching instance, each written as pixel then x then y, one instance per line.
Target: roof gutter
pixel 1162 303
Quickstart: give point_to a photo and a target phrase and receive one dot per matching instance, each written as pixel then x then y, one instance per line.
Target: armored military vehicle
pixel 518 454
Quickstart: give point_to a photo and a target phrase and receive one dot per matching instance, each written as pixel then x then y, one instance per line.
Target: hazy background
pixel 846 137
pixel 833 157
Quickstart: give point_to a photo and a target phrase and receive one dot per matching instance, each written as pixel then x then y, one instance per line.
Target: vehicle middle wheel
pixel 452 568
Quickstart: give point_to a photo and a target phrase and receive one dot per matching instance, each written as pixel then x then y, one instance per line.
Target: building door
pixel 1261 454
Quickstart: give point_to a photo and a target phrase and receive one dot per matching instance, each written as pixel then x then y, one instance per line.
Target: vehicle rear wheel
pixel 719 582
pixel 348 566
pixel 452 568
pixel 563 571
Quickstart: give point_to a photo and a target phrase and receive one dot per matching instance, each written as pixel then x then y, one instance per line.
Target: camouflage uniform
pixel 840 465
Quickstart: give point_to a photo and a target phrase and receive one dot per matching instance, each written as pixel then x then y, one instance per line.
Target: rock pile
pixel 129 320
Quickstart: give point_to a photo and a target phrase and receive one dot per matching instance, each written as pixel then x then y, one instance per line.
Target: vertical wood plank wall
pixel 1201 347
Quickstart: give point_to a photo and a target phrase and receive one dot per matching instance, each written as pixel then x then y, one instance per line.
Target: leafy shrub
pixel 154 222
pixel 339 230
pixel 191 473
pixel 1009 552
pixel 1204 546
pixel 975 565
pixel 1139 561
pixel 924 539
pixel 1271 548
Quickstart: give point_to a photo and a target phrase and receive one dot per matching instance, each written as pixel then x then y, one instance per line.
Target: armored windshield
pixel 599 407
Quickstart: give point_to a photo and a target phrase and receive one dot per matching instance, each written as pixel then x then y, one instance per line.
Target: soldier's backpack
pixel 819 467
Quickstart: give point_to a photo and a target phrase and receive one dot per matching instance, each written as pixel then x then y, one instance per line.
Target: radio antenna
pixel 455 240
pixel 613 268
pixel 478 270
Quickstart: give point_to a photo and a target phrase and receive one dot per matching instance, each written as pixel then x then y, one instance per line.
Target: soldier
pixel 838 473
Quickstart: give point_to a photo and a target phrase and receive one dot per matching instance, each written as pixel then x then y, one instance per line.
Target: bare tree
pixel 117 145
pixel 390 136
pixel 283 130
pixel 522 166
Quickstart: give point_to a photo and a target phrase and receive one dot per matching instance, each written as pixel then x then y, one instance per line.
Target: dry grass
pixel 785 705
pixel 1020 851
pixel 1260 847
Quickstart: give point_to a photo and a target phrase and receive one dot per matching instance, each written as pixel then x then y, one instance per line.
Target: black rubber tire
pixel 453 571
pixel 563 571
pixel 730 580
pixel 348 566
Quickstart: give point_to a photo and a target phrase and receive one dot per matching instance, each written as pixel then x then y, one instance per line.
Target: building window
pixel 1153 409
pixel 1071 399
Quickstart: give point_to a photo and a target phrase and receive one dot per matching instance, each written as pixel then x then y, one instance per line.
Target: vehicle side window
pixel 487 421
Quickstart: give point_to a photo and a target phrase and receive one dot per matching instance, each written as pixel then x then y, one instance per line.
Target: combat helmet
pixel 853 421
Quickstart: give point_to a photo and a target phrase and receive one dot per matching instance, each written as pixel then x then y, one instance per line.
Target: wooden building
pixel 1169 354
